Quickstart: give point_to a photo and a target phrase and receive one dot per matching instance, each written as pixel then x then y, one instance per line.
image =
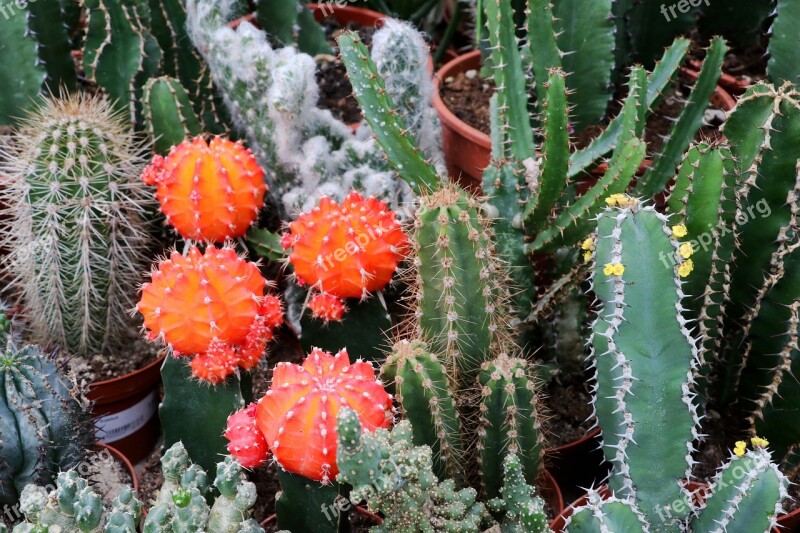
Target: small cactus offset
pixel 306 153
pixel 72 505
pixel 509 422
pixel 78 231
pixel 427 395
pixel 43 426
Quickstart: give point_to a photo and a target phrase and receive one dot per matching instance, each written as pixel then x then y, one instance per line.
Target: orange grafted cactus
pixel 346 250
pixel 208 191
pixel 298 414
pixel 326 307
pixel 210 305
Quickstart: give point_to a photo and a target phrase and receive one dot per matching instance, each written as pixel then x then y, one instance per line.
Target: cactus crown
pixel 78 237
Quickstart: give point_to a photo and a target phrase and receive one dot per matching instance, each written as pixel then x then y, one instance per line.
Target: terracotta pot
pixel 125 410
pixel 558 525
pixel 550 491
pixel 467 150
pixel 577 465
pixel 116 454
pixel 788 522
pixel 730 83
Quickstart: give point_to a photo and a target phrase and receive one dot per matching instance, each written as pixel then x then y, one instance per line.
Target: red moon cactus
pixel 299 412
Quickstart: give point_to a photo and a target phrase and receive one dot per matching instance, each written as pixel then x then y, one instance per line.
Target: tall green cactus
pixel 289 22
pixel 645 359
pixel 43 426
pixel 72 505
pixel 168 113
pixel 783 38
pixel 78 239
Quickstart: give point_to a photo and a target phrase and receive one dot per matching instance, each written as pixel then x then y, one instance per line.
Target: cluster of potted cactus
pixel 326 326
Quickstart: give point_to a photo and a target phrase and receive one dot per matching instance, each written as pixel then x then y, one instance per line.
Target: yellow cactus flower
pixel 588 244
pixel 679 230
pixel 740 448
pixel 686 250
pixel 587 256
pixel 686 268
pixel 613 269
pixel 758 442
pixel 612 200
pixel 621 200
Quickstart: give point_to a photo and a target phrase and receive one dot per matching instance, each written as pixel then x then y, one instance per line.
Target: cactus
pixel 168 113
pixel 72 505
pixel 781 67
pixel 78 234
pixel 636 379
pixel 208 191
pixel 347 250
pixel 509 422
pixel 306 153
pixel 396 478
pixel 289 22
pixel 425 392
pixel 43 425
pixel 742 230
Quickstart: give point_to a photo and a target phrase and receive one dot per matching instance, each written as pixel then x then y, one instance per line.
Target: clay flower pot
pixel 467 150
pixel 125 410
pixel 119 457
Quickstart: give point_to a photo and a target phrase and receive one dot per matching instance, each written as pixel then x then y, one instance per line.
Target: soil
pixel 101 367
pixel 106 475
pixel 335 91
pixel 568 409
pixel 150 477
pixel 467 95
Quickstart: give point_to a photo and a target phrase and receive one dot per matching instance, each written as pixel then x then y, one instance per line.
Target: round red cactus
pixel 210 305
pixel 326 307
pixel 298 414
pixel 346 250
pixel 246 443
pixel 208 191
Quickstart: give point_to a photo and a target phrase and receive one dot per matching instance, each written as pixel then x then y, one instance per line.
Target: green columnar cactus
pixel 168 113
pixel 637 377
pixel 644 399
pixel 78 236
pixel 73 506
pixel 461 294
pixel 427 397
pixel 43 426
pixel 304 150
pixel 509 423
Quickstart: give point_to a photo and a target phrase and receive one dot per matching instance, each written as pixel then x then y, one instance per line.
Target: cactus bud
pixel 246 442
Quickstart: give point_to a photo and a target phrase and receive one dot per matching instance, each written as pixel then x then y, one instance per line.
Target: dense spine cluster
pixel 78 235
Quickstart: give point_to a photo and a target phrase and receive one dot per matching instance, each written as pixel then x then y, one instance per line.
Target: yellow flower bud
pixel 686 250
pixel 686 268
pixel 587 256
pixel 588 244
pixel 758 442
pixel 679 231
pixel 740 448
pixel 613 269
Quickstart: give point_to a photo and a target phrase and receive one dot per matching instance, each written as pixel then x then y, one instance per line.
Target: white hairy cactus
pixel 272 95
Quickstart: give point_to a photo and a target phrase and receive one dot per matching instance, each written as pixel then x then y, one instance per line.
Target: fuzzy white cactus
pixel 272 95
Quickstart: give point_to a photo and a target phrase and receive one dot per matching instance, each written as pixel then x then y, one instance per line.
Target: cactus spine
pixel 43 427
pixel 78 239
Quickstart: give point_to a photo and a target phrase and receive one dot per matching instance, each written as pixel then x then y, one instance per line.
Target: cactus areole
pixel 208 190
pixel 210 305
pixel 298 414
pixel 347 250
